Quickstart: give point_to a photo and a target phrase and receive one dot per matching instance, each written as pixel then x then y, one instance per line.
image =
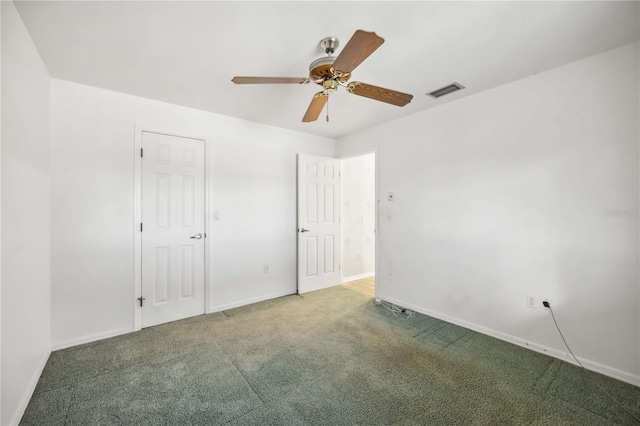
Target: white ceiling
pixel 187 52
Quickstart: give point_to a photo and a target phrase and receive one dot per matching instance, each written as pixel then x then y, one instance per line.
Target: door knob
pixel 197 236
pixel 304 230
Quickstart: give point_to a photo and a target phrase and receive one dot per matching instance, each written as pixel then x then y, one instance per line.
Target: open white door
pixel 318 223
pixel 172 228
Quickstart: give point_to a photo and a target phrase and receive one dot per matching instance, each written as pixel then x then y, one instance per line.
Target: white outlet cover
pixel 532 301
pixel 390 196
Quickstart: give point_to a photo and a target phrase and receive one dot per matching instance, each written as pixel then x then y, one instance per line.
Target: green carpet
pixel 328 358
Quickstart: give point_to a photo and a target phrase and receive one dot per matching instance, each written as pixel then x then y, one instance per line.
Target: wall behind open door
pixel 358 207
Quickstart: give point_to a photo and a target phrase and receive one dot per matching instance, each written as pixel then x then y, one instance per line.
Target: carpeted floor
pixel 329 358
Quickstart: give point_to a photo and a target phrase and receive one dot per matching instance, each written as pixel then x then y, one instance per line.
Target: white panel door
pixel 318 223
pixel 172 228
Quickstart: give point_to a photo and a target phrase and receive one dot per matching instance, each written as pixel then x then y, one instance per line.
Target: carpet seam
pixel 243 376
pixel 72 400
pixel 555 373
pixel 462 340
pixel 581 409
pixel 430 331
pixel 247 381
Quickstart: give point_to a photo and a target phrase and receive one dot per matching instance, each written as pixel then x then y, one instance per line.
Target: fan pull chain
pixel 327 109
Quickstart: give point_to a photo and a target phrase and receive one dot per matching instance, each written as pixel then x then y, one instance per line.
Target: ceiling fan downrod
pixel 329 45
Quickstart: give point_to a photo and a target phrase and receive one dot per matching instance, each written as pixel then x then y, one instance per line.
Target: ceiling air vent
pixel 446 90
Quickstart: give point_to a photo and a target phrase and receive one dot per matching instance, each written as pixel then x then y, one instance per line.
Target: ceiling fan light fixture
pixel 329 86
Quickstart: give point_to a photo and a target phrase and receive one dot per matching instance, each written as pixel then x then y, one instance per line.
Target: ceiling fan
pixel 331 72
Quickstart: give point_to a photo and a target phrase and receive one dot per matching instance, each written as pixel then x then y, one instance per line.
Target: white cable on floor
pixel 395 310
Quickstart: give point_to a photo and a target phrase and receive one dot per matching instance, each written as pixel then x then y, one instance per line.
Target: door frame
pixel 376 220
pixel 138 130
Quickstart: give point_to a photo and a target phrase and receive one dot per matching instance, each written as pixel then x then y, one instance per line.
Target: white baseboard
pixel 232 305
pixel 358 277
pixel 17 416
pixel 90 338
pixel 615 373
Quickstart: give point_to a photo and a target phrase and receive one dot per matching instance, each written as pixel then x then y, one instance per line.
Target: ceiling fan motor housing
pixel 322 69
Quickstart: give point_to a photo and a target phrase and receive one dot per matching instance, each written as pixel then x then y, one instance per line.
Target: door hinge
pixel 141 152
pixel 141 299
pixel 140 226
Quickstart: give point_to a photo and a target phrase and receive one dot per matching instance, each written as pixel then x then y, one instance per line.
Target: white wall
pixel 26 326
pixel 0 215
pixel 357 181
pixel 504 193
pixel 252 181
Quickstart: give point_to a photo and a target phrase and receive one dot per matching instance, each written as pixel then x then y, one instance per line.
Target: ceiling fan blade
pixel 268 80
pixel 315 107
pixel 379 93
pixel 361 45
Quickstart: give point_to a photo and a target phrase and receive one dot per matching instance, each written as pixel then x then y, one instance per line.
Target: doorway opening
pixel 358 222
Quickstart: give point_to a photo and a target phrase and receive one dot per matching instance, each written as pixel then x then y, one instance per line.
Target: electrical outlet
pixel 387 213
pixel 532 301
pixel 216 215
pixel 545 299
pixel 266 269
pixel 390 196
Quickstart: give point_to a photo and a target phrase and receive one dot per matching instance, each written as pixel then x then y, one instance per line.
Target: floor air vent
pixel 446 90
